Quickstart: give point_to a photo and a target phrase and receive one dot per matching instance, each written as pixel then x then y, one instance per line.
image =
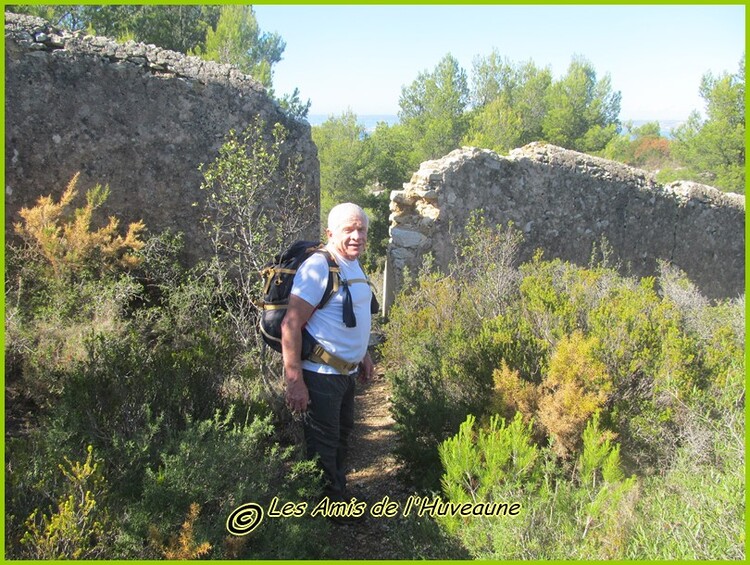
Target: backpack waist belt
pixel 320 355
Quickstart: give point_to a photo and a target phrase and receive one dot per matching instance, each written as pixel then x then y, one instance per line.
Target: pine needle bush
pixel 184 546
pixel 66 240
pixel 576 386
pixel 585 514
pixel 77 528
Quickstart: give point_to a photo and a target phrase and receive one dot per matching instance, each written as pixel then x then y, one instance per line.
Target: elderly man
pixel 319 387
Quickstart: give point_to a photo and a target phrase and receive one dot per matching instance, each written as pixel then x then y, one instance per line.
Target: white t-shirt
pixel 326 324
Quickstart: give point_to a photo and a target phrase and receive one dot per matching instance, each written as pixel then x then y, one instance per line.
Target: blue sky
pixel 359 57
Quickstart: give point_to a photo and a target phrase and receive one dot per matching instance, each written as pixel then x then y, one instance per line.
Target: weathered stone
pixel 402 197
pixel 565 203
pixel 141 120
pixel 406 238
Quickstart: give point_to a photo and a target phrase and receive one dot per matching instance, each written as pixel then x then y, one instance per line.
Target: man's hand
pixel 297 397
pixel 366 369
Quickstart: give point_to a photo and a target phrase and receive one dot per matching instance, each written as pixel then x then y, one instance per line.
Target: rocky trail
pixel 374 475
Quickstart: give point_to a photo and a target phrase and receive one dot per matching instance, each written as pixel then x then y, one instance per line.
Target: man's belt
pixel 320 355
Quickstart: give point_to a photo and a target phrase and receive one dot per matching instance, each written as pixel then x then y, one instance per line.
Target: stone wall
pixel 132 116
pixel 565 203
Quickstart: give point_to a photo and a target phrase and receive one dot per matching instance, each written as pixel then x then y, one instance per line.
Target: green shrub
pixel 581 357
pixel 221 464
pixel 254 192
pixel 481 464
pixel 436 352
pixel 424 417
pixel 545 300
pixel 132 390
pixel 695 509
pixel 112 343
pixel 583 515
pixel 78 527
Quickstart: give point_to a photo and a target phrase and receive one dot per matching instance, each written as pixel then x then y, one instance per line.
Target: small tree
pixel 509 102
pixel 582 112
pixel 713 150
pixel 257 203
pixel 433 109
pixel 237 40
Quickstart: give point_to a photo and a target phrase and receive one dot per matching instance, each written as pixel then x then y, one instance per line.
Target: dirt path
pixel 372 476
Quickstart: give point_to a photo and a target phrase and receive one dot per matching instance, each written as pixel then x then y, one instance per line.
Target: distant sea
pixel 370 121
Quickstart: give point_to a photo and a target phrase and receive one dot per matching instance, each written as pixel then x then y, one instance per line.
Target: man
pixel 314 387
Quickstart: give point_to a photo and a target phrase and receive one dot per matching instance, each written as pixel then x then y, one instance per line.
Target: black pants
pixel 328 425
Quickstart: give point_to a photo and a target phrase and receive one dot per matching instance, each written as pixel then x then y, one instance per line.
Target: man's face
pixel 349 237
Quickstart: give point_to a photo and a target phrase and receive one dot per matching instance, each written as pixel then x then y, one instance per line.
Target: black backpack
pixel 278 276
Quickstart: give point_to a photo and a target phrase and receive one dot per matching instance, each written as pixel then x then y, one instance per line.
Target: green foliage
pixel 486 256
pixel 136 364
pixel 390 161
pixel 253 193
pixel 695 509
pixel 478 465
pixel 436 354
pixel 293 105
pixel 65 280
pixel 432 108
pixel 509 103
pixel 342 154
pixel 581 357
pixel 713 149
pixel 238 41
pixel 582 112
pixel 437 374
pixel 77 528
pixel 219 464
pixel 560 516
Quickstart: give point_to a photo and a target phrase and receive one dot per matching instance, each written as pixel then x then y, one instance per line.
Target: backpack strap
pixel 320 355
pixel 334 276
pixel 335 281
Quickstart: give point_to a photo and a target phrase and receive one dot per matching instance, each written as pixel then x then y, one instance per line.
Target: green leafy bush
pixel 220 464
pixel 585 514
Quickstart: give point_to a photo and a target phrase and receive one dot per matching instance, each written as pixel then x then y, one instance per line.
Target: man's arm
pixel 297 315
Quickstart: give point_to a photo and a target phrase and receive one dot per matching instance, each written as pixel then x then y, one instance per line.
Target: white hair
pixel 341 213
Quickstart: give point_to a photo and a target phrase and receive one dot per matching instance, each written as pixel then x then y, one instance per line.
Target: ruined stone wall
pixel 565 202
pixel 132 116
